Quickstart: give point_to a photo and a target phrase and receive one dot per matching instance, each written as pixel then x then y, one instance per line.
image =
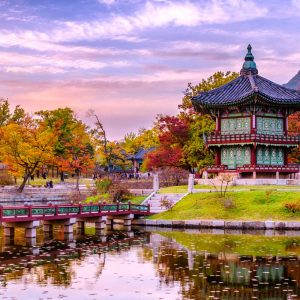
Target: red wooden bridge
pixel 64 211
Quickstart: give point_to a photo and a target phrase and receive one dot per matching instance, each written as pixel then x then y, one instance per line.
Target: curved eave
pixel 251 98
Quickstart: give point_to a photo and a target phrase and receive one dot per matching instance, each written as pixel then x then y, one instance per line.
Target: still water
pixel 150 265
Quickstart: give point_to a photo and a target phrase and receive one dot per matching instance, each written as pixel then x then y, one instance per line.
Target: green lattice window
pixel 235 156
pixel 270 156
pixel 272 126
pixel 235 125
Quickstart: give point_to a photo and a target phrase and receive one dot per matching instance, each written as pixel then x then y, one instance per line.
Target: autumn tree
pixel 73 150
pixel 25 147
pixel 182 137
pixel 294 129
pixel 62 122
pixel 174 134
pixel 78 152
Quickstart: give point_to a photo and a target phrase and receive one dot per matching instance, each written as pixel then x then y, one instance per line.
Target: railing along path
pixel 65 211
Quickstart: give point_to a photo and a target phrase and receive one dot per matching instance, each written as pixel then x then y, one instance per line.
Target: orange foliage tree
pixel 294 128
pixel 26 146
pixel 78 156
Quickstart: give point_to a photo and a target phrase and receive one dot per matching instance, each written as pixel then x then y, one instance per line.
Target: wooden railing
pixel 269 168
pixel 45 212
pixel 252 138
pixel 217 168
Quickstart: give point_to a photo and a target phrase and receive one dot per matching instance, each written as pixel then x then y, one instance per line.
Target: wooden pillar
pixel 285 125
pixel 218 157
pixel 285 156
pixel 253 155
pixel 253 124
pixel 218 125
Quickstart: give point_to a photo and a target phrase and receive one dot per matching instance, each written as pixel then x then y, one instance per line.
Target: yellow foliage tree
pixel 26 147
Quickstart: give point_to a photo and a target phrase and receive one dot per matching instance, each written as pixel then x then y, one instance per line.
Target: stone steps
pixel 155 201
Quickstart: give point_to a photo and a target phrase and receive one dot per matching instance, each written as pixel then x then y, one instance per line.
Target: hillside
pixel 294 83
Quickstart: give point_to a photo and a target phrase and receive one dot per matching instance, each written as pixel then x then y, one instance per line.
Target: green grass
pixel 239 244
pixel 247 205
pixel 137 199
pixel 105 197
pixel 97 198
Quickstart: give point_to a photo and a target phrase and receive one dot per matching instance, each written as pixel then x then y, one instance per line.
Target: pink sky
pixel 131 60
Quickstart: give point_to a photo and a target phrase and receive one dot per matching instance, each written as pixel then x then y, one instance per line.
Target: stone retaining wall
pixel 220 224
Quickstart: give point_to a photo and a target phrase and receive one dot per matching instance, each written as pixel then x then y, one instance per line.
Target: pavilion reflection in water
pixel 205 275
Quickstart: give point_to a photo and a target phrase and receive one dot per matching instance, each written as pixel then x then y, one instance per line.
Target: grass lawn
pixel 239 244
pixel 245 205
pixel 105 197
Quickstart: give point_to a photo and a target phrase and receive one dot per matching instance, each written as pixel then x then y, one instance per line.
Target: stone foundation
pixel 220 224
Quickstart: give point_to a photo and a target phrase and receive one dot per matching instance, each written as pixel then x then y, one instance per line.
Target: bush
pixel 171 176
pixel 228 203
pixel 119 193
pixel 293 207
pixel 6 179
pixel 166 203
pixel 103 185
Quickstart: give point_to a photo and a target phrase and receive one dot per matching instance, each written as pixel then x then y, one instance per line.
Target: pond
pixel 151 265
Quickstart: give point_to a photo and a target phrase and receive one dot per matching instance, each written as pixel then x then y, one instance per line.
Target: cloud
pixel 296 3
pixel 107 2
pixel 150 16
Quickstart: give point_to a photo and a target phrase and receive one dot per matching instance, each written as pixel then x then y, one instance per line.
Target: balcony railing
pixel 217 168
pixel 291 168
pixel 216 139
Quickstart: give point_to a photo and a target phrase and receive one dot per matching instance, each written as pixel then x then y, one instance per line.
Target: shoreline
pixel 220 224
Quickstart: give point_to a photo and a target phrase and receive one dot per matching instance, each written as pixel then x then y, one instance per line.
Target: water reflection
pixel 150 265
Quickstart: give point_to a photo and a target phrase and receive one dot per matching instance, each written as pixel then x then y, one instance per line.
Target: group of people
pixel 49 184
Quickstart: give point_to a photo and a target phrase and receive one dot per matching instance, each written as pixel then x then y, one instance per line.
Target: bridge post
pixel 68 225
pixel 30 229
pixel 9 230
pixel 80 226
pixel 127 221
pixel 100 223
pixel 47 227
pixel 110 222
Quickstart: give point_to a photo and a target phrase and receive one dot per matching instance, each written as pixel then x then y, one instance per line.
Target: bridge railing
pixel 44 211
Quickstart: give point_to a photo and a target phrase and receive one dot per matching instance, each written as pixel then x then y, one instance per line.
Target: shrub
pixel 119 193
pixel 6 179
pixel 166 203
pixel 293 207
pixel 171 176
pixel 103 185
pixel 228 203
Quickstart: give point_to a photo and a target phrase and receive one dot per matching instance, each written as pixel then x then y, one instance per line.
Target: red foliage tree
pixel 174 133
pixel 294 129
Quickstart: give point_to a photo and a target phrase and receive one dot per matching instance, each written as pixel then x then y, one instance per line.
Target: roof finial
pixel 249 66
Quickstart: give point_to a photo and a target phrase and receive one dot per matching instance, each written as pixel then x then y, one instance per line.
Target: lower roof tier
pixel 217 140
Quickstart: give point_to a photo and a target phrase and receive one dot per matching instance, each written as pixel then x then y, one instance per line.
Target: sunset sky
pixel 131 59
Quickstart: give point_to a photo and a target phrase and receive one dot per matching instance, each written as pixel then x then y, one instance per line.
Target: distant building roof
pixel 248 87
pixel 140 154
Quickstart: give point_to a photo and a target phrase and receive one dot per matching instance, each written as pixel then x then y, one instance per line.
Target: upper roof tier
pixel 247 88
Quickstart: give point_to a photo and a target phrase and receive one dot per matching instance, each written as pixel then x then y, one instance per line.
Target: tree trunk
pixel 77 181
pixel 21 187
pixel 62 177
